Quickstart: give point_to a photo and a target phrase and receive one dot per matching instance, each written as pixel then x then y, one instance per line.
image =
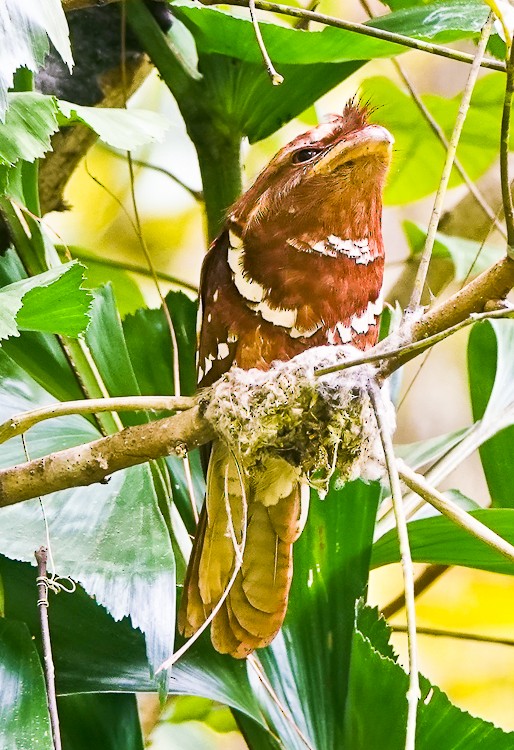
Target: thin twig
pixel 421 275
pixel 142 241
pixel 190 487
pixel 367 30
pixel 415 346
pixel 27 419
pixel 458 635
pixel 418 484
pixel 413 693
pixel 504 154
pixel 48 662
pixel 276 78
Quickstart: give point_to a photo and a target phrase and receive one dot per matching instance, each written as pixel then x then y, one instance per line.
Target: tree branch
pixel 93 462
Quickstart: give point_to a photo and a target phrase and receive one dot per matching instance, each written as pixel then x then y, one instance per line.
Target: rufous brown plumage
pixel 299 263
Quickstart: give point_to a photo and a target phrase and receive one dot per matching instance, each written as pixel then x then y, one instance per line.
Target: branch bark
pixel 93 462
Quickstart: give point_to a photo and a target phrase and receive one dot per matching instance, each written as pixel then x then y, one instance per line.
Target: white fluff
pixel 316 424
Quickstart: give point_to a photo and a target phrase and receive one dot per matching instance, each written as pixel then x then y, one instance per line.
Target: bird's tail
pixel 246 532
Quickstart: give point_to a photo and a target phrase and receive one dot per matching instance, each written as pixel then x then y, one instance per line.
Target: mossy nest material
pixel 316 424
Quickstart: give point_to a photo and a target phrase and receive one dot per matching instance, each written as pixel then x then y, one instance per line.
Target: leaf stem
pixel 413 692
pixel 367 30
pixel 421 275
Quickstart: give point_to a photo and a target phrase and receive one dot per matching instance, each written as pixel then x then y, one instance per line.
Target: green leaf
pixel 107 343
pixel 312 62
pixel 23 39
pixel 377 707
pixel 51 302
pixel 419 155
pixel 491 383
pixel 108 721
pixel 122 128
pixel 40 355
pixel 127 291
pixel 53 19
pixel 437 21
pixel 219 32
pixel 244 98
pixel 439 541
pixel 31 120
pixel 111 537
pixel 24 721
pixel 148 331
pixel 468 257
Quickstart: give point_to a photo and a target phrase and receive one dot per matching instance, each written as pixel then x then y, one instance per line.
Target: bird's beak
pixel 372 140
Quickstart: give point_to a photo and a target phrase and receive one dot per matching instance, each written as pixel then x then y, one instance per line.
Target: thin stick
pixel 276 78
pixel 415 346
pixel 458 635
pixel 418 484
pixel 359 28
pixel 22 422
pixel 190 487
pixel 413 693
pixel 421 275
pixel 504 155
pixel 49 671
pixel 144 247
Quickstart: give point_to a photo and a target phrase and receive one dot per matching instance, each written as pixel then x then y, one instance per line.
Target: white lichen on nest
pixel 318 424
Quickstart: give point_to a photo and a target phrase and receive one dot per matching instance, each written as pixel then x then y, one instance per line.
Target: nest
pixel 317 424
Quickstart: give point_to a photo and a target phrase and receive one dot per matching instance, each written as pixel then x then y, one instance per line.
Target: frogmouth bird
pixel 299 263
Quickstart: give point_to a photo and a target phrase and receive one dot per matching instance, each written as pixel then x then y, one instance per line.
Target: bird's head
pixel 337 167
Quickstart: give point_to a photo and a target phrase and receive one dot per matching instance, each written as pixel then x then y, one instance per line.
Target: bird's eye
pixel 350 163
pixel 306 154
